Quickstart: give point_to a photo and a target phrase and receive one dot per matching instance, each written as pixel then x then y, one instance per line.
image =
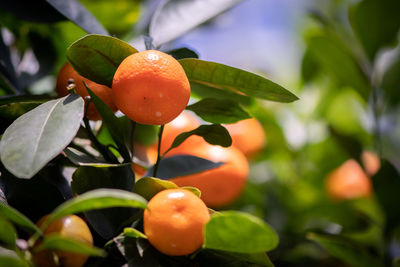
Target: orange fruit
pixel 219 186
pixel 70 226
pixel 248 136
pixel 174 221
pixel 371 162
pixel 151 87
pixel 348 181
pixel 105 93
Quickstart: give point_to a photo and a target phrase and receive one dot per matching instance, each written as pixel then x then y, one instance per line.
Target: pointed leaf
pixel 132 232
pixel 97 57
pixel 174 18
pixel 63 243
pixel 183 52
pixel 97 199
pixel 213 134
pixel 112 123
pixel 147 187
pixel 77 13
pixel 376 22
pixel 182 165
pixel 239 232
pixel 231 79
pixel 38 136
pixel 17 218
pixel 219 110
pixel 8 235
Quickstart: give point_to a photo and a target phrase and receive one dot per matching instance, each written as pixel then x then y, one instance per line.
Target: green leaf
pixel 33 99
pixel 174 18
pixel 219 111
pixel 63 243
pixel 192 189
pixel 222 258
pixel 391 80
pixel 239 232
pixel 77 13
pixel 203 91
pixel 386 183
pixel 19 219
pixel 147 187
pixel 213 134
pixel 97 199
pixel 146 134
pixel 106 222
pixel 38 136
pixel 8 235
pixel 235 80
pixel 10 258
pixel 376 23
pixel 112 123
pixel 132 232
pixel 339 63
pixel 97 57
pixel 183 52
pixel 344 250
pixel 81 159
pixel 182 165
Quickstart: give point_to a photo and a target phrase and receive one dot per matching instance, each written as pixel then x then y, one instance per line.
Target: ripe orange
pixel 248 136
pixel 371 162
pixel 70 226
pixel 174 221
pixel 348 181
pixel 105 93
pixel 219 186
pixel 151 87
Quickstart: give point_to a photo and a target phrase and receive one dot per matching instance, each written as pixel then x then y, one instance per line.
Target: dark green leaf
pixel 184 52
pixel 182 165
pixel 17 218
pixel 81 159
pixel 8 235
pixel 203 91
pixel 339 63
pixel 97 199
pixel 344 249
pixel 213 134
pixel 236 80
pixel 239 232
pixel 112 123
pixel 377 23
pixel 147 187
pixel 97 57
pixel 63 243
pixel 222 258
pixel 219 111
pixel 174 18
pixel 391 81
pixel 107 222
pixel 351 145
pixel 34 99
pixel 40 135
pixel 77 13
pixel 386 183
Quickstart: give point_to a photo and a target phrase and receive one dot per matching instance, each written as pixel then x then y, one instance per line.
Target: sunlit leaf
pixel 174 18
pixel 97 57
pixel 147 187
pixel 38 136
pixel 239 232
pixel 231 79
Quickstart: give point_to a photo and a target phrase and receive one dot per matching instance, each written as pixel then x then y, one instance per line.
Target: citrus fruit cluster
pixel 149 87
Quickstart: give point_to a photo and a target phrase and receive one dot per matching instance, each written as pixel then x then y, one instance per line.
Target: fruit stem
pixel 107 154
pixel 159 157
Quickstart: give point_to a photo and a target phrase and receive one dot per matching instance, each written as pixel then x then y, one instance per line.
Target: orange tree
pixel 56 160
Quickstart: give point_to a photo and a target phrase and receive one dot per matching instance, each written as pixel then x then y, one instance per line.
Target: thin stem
pixel 102 149
pixel 159 157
